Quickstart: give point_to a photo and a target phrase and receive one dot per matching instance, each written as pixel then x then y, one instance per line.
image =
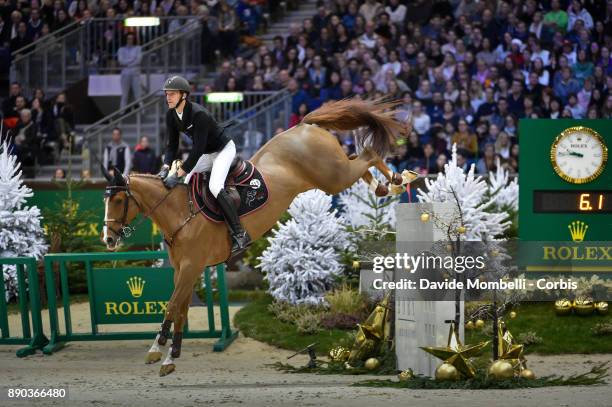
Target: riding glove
pixel 172 181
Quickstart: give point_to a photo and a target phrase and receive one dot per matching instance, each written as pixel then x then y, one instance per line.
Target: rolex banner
pixel 131 295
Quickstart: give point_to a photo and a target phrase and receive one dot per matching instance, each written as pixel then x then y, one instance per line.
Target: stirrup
pixel 240 242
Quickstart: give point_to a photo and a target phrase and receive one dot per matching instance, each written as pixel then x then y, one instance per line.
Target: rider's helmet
pixel 178 83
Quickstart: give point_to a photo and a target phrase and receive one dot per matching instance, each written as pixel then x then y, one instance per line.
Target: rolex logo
pixel 578 229
pixel 136 285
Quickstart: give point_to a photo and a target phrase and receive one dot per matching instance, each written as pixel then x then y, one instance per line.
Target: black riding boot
pixel 240 238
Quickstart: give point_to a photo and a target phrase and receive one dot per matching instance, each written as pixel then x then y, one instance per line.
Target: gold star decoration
pixel 457 354
pixel 507 349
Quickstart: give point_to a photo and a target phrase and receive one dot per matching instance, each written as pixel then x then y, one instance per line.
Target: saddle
pixel 244 183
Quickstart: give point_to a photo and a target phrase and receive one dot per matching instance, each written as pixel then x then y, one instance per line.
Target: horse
pixel 304 157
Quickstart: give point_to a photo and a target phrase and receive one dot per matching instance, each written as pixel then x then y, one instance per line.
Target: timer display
pixel 572 201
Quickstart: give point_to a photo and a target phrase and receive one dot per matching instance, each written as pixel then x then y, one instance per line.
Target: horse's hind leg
pixel 375 186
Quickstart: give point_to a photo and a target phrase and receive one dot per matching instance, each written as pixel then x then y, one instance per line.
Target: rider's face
pixel 173 97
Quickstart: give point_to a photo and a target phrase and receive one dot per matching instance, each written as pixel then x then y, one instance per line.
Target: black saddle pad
pixel 249 184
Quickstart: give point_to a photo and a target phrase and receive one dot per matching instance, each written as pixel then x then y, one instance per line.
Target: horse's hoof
pixel 397 179
pixel 166 369
pixel 381 190
pixel 153 357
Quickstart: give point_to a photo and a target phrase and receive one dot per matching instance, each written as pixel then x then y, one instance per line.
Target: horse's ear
pixel 105 173
pixel 118 180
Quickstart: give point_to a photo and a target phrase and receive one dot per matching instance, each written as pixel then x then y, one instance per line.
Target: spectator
pixel 117 154
pixel 63 123
pixel 566 86
pixel 59 174
pixel 576 12
pixel 130 56
pixel 420 120
pixel 465 139
pixel 296 118
pixel 370 9
pixel 487 163
pixel 145 161
pixel 503 145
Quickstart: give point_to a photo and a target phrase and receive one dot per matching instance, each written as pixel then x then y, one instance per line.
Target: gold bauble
pixel 446 371
pixel 512 314
pixel 405 375
pixel 601 308
pixel 479 323
pixel 528 374
pixel 469 325
pixel 356 264
pixel 501 369
pixel 339 354
pixel 372 364
pixel 563 307
pixel 424 217
pixel 583 306
pixel 461 230
pixel 494 253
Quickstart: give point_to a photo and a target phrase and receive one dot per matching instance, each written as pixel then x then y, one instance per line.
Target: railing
pixel 256 117
pixel 65 56
pixel 31 335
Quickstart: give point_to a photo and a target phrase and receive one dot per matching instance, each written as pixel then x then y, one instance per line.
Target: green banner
pixel 48 195
pixel 131 295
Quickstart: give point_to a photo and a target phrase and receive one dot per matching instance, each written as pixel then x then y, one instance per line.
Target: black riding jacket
pixel 200 126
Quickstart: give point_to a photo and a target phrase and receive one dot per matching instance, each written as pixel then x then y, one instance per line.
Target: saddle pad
pixel 251 187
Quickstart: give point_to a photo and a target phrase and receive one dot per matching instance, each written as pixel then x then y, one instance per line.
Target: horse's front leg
pixel 156 350
pixel 178 307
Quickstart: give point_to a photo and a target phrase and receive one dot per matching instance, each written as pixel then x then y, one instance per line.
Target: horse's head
pixel 120 209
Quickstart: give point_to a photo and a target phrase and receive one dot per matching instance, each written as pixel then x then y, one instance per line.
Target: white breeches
pixel 218 163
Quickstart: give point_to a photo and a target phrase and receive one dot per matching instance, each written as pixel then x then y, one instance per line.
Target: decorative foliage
pixel 481 380
pixel 364 211
pixel 20 230
pixel 469 194
pixel 302 262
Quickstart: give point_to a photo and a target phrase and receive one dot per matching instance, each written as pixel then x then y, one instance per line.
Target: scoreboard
pixel 565 188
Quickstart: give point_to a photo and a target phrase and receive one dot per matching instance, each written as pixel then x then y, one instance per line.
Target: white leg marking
pixel 373 184
pixel 169 360
pixel 105 228
pixel 155 347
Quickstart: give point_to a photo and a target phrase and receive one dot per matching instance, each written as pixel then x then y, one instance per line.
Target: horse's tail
pixel 376 116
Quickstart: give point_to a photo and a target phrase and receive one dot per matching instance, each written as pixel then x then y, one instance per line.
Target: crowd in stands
pixel 24 22
pixel 466 70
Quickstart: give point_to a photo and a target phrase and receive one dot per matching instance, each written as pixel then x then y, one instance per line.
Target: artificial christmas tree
pixel 20 231
pixel 474 206
pixel 303 259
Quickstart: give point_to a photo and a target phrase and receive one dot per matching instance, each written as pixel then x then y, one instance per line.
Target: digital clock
pixel 572 201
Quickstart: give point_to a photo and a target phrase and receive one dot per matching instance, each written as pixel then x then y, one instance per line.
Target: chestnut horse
pixel 304 157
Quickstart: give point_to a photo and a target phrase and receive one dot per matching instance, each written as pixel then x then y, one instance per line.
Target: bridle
pixel 125 229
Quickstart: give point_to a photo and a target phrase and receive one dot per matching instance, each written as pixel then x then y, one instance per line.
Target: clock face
pixel 579 155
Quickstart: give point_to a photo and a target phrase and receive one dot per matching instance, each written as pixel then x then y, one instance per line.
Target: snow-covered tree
pixel 20 231
pixel 361 207
pixel 469 194
pixel 505 192
pixel 303 258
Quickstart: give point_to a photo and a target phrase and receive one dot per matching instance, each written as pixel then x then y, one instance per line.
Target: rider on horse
pixel 212 151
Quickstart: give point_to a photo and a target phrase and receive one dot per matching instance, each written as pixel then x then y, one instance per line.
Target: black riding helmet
pixel 180 84
pixel 177 83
